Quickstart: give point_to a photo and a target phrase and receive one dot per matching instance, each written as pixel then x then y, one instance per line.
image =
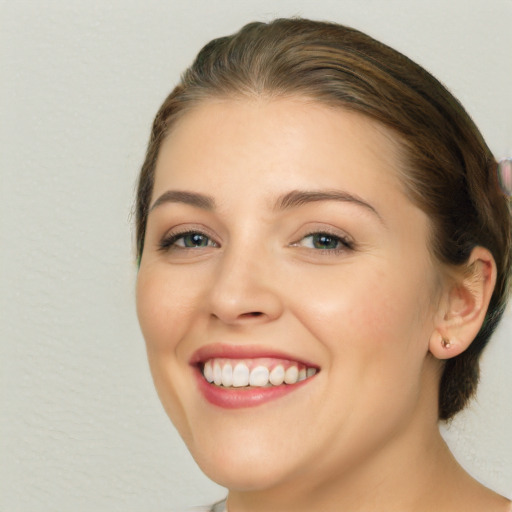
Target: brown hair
pixel 449 172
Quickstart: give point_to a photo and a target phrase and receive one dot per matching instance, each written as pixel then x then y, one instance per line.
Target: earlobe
pixel 443 347
pixel 465 305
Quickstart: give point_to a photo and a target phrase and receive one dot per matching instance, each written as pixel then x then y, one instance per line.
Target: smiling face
pixel 280 237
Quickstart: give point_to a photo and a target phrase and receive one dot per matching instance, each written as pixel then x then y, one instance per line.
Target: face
pixel 280 245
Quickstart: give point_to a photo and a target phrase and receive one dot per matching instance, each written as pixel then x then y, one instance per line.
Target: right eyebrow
pixel 179 196
pixel 297 198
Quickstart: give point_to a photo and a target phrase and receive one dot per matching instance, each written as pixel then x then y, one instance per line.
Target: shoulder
pixel 220 506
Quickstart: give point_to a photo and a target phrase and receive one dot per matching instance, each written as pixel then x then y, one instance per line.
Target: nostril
pixel 252 314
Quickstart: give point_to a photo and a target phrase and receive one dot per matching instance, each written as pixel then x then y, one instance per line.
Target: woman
pixel 324 253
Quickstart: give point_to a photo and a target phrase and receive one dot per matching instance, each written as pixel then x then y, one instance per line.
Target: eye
pixel 186 240
pixel 325 242
pixel 192 240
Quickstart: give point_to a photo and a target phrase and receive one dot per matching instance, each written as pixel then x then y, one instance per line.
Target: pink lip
pixel 221 350
pixel 238 398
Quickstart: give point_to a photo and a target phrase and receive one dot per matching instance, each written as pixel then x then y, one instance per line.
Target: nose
pixel 245 289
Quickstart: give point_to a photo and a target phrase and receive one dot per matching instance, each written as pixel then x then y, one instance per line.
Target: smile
pixel 236 377
pixel 259 373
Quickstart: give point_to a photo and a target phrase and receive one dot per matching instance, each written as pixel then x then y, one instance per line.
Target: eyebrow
pixel 297 198
pixel 179 196
pixel 293 199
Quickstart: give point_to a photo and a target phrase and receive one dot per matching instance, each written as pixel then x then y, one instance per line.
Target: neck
pixel 393 480
pixel 410 470
pixel 421 480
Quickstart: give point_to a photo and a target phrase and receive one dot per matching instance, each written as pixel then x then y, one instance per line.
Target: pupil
pixel 196 240
pixel 325 242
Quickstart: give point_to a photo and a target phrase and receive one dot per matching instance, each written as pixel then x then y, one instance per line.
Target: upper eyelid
pixel 327 230
pixel 313 228
pixel 346 242
pixel 185 229
pixel 179 236
pixel 342 236
pixel 176 233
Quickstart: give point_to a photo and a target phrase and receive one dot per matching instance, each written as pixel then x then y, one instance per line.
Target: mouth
pixel 232 378
pixel 251 373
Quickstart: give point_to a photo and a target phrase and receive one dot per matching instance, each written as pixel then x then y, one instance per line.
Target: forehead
pixel 259 138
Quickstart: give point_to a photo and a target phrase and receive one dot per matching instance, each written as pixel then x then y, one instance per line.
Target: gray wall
pixel 80 426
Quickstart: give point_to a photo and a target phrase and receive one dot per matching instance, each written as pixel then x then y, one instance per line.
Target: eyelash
pixel 346 243
pixel 168 243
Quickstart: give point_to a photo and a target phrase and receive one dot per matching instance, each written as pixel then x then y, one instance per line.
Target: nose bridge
pixel 244 287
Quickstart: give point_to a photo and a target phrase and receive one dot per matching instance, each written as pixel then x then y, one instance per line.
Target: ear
pixel 464 305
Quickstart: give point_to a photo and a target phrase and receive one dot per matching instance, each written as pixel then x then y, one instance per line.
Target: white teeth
pixel 227 375
pixel 276 376
pixel 222 373
pixel 208 371
pixel 217 374
pixel 259 376
pixel 240 375
pixel 291 375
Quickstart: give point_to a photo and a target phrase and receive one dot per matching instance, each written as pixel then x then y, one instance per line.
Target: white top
pixel 216 507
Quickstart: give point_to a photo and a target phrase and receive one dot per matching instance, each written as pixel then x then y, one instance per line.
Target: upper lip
pixel 228 351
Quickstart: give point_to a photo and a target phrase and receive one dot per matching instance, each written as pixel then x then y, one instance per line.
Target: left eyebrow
pixel 181 196
pixel 297 198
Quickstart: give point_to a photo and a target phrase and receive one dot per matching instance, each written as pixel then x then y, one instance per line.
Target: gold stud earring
pixel 445 342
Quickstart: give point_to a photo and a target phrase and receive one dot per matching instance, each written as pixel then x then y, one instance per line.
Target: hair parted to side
pixel 447 168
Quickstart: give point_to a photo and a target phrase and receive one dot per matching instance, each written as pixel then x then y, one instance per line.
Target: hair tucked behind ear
pixel 447 169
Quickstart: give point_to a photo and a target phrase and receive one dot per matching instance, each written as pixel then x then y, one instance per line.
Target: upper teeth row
pixel 239 375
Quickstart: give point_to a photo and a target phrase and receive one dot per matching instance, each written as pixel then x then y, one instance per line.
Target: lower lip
pixel 238 398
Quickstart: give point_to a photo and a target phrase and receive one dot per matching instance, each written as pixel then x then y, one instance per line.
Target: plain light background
pixel 81 427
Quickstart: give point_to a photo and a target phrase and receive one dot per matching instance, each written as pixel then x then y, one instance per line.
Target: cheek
pixel 373 316
pixel 367 319
pixel 165 303
pixel 349 304
pixel 164 309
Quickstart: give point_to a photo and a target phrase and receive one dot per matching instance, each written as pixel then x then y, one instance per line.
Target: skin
pixel 362 435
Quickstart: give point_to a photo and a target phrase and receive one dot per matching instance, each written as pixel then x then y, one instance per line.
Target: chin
pixel 242 474
pixel 242 463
